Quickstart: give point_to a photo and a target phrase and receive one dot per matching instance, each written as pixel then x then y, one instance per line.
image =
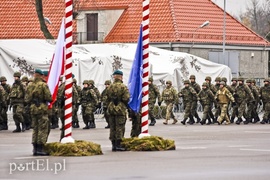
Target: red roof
pixel 170 21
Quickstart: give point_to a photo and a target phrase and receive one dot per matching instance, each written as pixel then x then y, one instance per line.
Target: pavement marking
pixel 259 150
pixel 191 147
pixel 258 132
pixel 238 146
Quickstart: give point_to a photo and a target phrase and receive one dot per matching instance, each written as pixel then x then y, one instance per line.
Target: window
pixel 92 27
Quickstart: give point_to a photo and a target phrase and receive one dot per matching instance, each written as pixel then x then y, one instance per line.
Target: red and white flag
pixel 57 66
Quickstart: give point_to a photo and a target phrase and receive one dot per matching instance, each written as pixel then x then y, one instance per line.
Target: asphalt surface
pixel 202 152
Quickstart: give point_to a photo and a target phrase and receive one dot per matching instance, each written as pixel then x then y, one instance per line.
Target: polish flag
pixel 57 66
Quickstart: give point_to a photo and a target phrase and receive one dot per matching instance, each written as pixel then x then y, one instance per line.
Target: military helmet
pixel 150 79
pixel 86 82
pixel 24 79
pixel 234 79
pixel 31 79
pixel 205 84
pixel 192 77
pixel 3 78
pixel 253 81
pixel 248 81
pixel 186 82
pixel 208 78
pixel 266 80
pixel 169 82
pixel 74 80
pixel 224 79
pixel 17 74
pixel 92 82
pixel 241 79
pixel 107 82
pixel 218 79
pixel 222 83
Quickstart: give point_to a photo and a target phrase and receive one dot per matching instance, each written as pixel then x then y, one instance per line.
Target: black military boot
pixel 239 120
pixel 184 121
pixel 107 127
pixel 203 121
pixel 113 145
pixel 232 119
pixel 77 125
pixel 40 150
pixel 18 128
pixel 198 118
pixel 118 145
pixel 264 121
pixel 215 120
pixel 23 127
pixel 153 122
pixel 92 124
pixel 191 120
pixel 247 121
pixel 34 149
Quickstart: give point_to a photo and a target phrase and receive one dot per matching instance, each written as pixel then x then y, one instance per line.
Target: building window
pixel 92 27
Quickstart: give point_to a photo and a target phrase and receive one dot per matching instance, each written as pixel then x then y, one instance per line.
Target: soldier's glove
pixel 233 104
pixel 159 103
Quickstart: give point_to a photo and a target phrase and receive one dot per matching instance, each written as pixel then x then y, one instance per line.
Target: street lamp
pixel 206 23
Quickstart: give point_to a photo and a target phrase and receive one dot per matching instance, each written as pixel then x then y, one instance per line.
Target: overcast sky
pixel 234 7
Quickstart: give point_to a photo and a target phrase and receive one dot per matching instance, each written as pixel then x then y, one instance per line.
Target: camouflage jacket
pixel 118 98
pixel 97 93
pixel 224 96
pixel 229 88
pixel 61 97
pixel 196 87
pixel 265 94
pixel 169 95
pixel 154 94
pixel 17 92
pixel 213 88
pixel 255 93
pixel 233 87
pixel 206 97
pixel 243 93
pixel 2 97
pixel 188 94
pixel 104 97
pixel 88 97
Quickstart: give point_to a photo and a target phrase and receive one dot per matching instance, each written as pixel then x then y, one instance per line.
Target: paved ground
pixel 202 152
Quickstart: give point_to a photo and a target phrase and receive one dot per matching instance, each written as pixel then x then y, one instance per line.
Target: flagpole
pixel 145 86
pixel 68 74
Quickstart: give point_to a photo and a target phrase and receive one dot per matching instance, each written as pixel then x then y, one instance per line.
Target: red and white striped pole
pixel 68 73
pixel 145 86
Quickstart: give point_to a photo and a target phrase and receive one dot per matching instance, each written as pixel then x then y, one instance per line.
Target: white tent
pixel 98 61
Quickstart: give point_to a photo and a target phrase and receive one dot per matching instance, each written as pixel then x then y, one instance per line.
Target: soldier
pixel 212 87
pixel 242 94
pixel 169 96
pixel 265 97
pixel 39 96
pixel 234 108
pixel 223 97
pixel 188 95
pixel 104 97
pixel 17 102
pixel 136 123
pixel 24 80
pixel 26 112
pixel 118 98
pixel 206 98
pixel 4 108
pixel 218 110
pixel 154 94
pixel 257 101
pixel 75 120
pixel 88 101
pixel 197 88
pixel 98 105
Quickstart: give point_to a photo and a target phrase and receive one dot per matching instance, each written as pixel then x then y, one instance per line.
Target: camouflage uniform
pixel 169 96
pixel 118 98
pixel 39 96
pixel 188 95
pixel 17 94
pixel 242 94
pixel 212 87
pixel 223 97
pixel 26 112
pixel 234 108
pixel 98 105
pixel 154 94
pixel 75 119
pixel 206 98
pixel 4 90
pixel 104 97
pixel 218 110
pixel 136 123
pixel 265 97
pixel 88 101
pixel 194 105
pixel 257 101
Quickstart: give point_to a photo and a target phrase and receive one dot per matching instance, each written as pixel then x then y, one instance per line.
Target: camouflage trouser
pixel 224 113
pixel 234 112
pixel 26 115
pixel 250 111
pixel 75 109
pixel 3 116
pixel 117 127
pixel 151 110
pixel 136 125
pixel 87 113
pixel 194 112
pixel 266 111
pixel 18 113
pixel 187 109
pixel 41 128
pixel 169 113
pixel 218 111
pixel 206 111
pixel 241 109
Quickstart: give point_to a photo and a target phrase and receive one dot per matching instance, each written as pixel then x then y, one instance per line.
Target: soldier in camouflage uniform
pixel 17 102
pixel 169 96
pixel 98 105
pixel 265 97
pixel 26 112
pixel 39 96
pixel 197 88
pixel 88 101
pixel 212 87
pixel 234 108
pixel 206 98
pixel 4 107
pixel 104 97
pixel 188 95
pixel 218 110
pixel 154 94
pixel 242 94
pixel 223 97
pixel 75 120
pixel 118 98
pixel 258 101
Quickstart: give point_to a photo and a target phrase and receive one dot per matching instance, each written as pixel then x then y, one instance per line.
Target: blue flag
pixel 135 77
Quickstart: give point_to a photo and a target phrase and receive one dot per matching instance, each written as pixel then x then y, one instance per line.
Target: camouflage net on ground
pixel 151 143
pixel 79 148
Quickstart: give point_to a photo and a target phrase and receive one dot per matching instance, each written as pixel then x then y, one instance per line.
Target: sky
pixel 234 7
